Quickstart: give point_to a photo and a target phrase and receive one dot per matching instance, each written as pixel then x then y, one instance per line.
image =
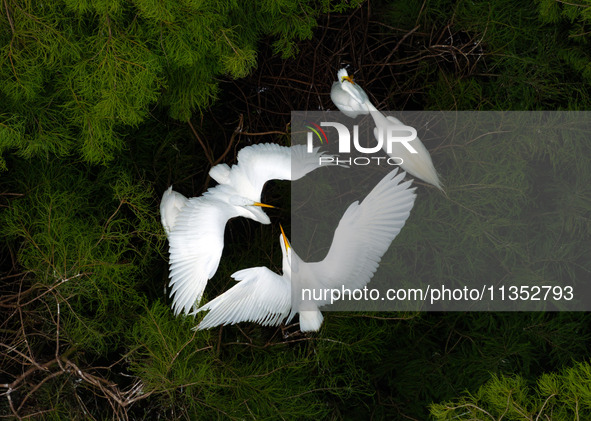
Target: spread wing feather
pixel 261 296
pixel 196 245
pixel 363 235
pixel 262 162
pixel 197 238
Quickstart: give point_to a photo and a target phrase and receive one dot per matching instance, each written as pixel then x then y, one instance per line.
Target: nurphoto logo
pixel 386 138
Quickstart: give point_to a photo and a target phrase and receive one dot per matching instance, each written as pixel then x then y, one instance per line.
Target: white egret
pixel 195 227
pixel 352 101
pixel 362 237
pixel 349 97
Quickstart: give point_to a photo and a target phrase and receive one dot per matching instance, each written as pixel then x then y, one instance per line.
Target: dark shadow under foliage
pixel 86 330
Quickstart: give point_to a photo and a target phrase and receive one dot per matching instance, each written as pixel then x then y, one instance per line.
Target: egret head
pixel 348 96
pixel 343 76
pixel 287 253
pixel 255 211
pixel 285 247
pixel 249 208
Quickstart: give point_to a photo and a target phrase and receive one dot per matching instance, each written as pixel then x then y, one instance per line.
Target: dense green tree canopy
pixel 77 75
pixel 104 104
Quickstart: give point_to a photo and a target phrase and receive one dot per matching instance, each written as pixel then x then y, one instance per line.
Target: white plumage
pixel 363 235
pixel 171 204
pixel 195 227
pixel 352 101
pixel 348 96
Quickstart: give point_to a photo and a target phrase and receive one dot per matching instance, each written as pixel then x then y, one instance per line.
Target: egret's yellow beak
pixel 284 238
pixel 348 78
pixel 262 205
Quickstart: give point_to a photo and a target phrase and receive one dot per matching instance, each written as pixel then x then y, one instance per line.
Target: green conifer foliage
pixel 564 395
pixel 84 239
pixel 76 74
pixel 186 372
pixel 86 329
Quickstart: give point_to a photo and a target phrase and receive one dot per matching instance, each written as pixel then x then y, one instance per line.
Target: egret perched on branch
pixel 352 101
pixel 362 237
pixel 195 227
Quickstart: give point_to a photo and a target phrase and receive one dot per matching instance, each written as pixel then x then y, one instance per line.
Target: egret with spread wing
pixel 352 101
pixel 362 237
pixel 195 227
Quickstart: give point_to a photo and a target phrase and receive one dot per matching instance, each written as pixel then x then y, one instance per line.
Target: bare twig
pixel 206 150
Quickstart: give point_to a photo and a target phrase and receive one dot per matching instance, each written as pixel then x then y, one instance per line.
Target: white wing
pixel 258 164
pixel 362 237
pixel 197 240
pixel 262 162
pixel 262 297
pixel 220 173
pixel 196 245
pixel 417 164
pixel 171 204
pixel 303 162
